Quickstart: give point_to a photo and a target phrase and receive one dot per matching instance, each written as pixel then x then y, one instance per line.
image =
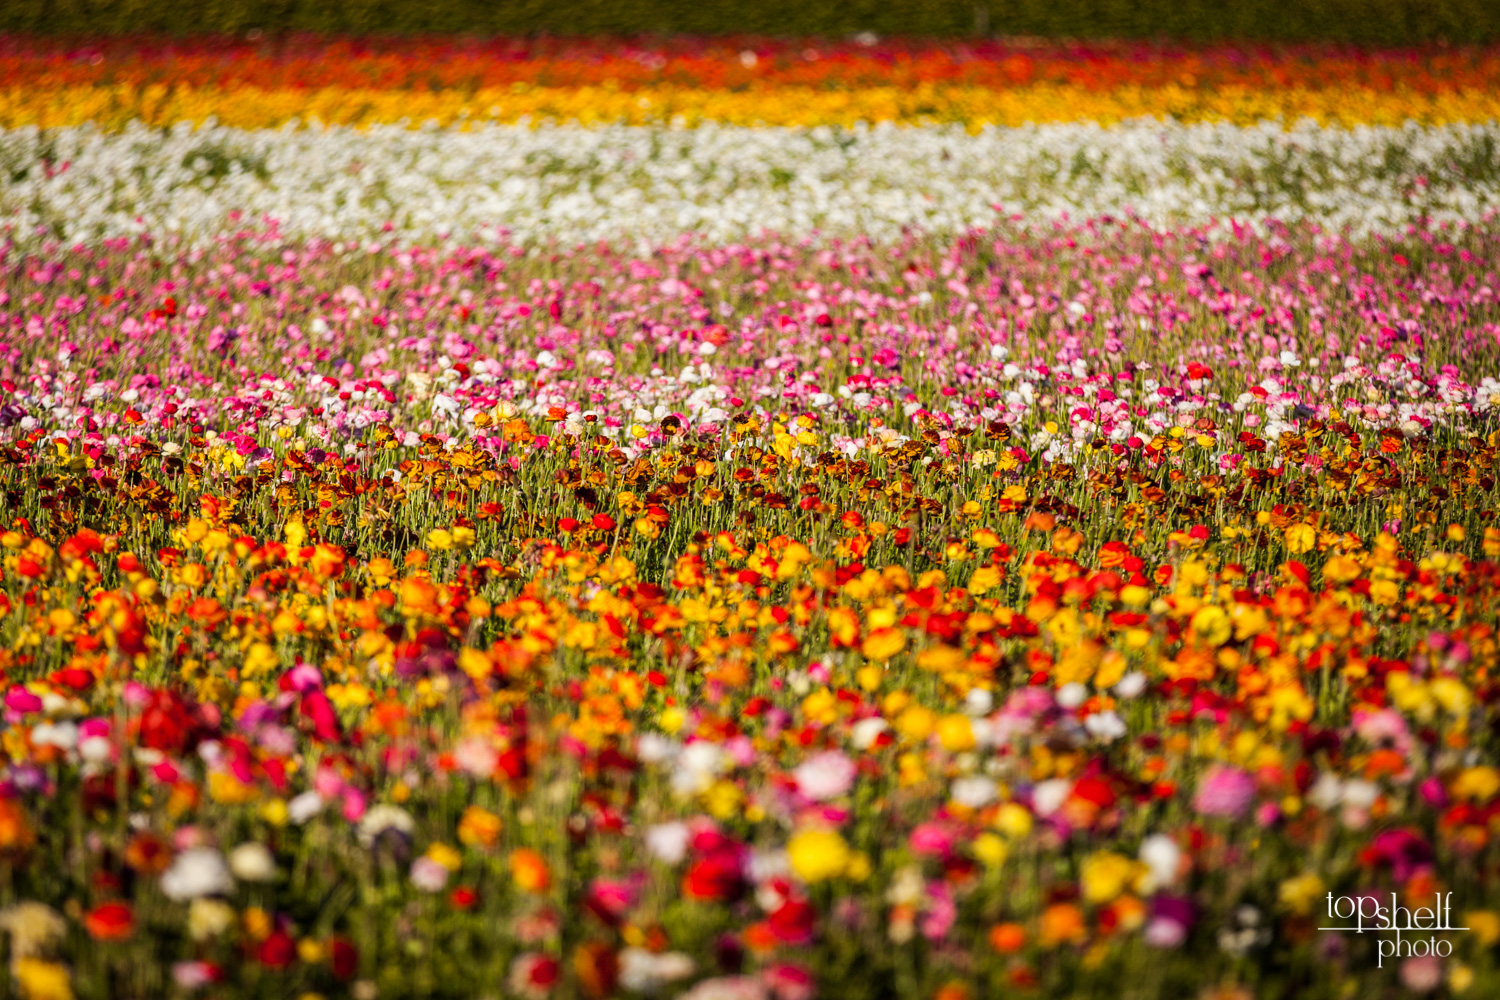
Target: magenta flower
pixel 1224 791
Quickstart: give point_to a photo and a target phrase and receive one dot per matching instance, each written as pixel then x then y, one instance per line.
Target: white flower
pixel 1359 794
pixel 1326 792
pixel 1105 726
pixel 727 988
pixel 643 971
pixel 654 748
pixel 198 871
pixel 252 862
pixel 697 766
pixel 825 776
pixel 63 735
pixel 304 807
pixel 867 731
pixel 668 841
pixel 382 818
pixel 1070 696
pixel 1162 856
pixel 979 702
pixel 428 875
pixel 33 927
pixel 1132 685
pixel 574 182
pixel 1048 796
pixel 975 791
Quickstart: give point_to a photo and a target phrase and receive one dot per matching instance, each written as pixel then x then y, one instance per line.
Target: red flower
pixel 343 957
pixel 167 723
pixel 110 922
pixel 463 898
pixel 792 922
pixel 277 951
pixel 318 710
pixel 715 877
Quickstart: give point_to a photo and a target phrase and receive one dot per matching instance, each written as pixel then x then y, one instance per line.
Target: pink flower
pixel 1224 791
pixel 941 913
pixel 1422 974
pixel 789 982
pixel 932 839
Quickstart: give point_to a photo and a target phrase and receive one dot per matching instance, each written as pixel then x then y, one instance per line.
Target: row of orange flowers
pixel 731 64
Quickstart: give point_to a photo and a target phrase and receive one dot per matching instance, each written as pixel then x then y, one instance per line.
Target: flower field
pixel 868 549
pixel 749 82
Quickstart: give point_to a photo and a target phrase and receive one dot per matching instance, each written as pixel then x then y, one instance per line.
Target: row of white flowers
pixel 644 183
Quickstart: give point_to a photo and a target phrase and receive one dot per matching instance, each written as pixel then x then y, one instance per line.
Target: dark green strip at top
pixel 1366 22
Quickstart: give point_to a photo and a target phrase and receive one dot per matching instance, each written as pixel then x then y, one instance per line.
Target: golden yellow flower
pixel 818 855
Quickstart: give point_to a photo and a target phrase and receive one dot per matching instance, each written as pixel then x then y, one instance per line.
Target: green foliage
pixel 1374 22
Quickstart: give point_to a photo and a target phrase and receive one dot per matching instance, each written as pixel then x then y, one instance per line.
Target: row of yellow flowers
pixel 114 107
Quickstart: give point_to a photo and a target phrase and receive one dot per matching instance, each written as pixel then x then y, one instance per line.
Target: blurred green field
pixel 1366 22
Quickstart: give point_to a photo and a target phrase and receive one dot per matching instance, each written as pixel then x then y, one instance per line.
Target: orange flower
pixel 1007 938
pixel 597 968
pixel 207 612
pixel 528 869
pixel 1062 923
pixel 479 828
pixel 15 833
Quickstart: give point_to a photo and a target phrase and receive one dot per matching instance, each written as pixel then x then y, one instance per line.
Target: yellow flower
pixel 1478 783
pixel 818 855
pixel 446 856
pixel 955 733
pixel 275 812
pixel 1301 538
pixel 990 849
pixel 722 799
pixel 1300 893
pixel 916 722
pixel 257 923
pixel 1212 625
pixel 226 789
pixel 985 579
pixel 671 720
pixel 43 980
pixel 1484 925
pixel 1385 592
pixel 1105 875
pixel 1341 569
pixel 1013 820
pixel 440 539
pixel 882 644
pixel 261 658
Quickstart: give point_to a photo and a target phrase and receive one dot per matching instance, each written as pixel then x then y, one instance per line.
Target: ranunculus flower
pixel 199 871
pixel 825 776
pixel 817 855
pixel 1224 791
pixel 110 922
pixel 252 862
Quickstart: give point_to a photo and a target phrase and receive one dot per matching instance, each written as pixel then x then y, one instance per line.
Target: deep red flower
pixel 277 951
pixel 343 957
pixel 715 877
pixel 110 922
